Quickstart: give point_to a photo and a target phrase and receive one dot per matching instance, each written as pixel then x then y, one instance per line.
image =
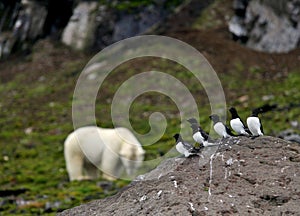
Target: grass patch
pixel 212 16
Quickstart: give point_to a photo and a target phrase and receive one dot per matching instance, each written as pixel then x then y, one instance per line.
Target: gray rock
pixel 129 25
pixel 244 177
pixel 92 26
pixel 237 27
pixel 27 26
pixel 290 135
pixel 98 26
pixel 167 166
pixel 52 206
pixel 270 26
pixel 7 41
pixel 240 4
pixel 270 32
pixel 80 31
pixel 293 138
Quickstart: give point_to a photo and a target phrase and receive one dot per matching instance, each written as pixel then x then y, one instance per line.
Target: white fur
pixel 254 126
pixel 91 148
pixel 238 126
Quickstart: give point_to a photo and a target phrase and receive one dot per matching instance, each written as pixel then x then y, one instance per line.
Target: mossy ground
pixel 36 106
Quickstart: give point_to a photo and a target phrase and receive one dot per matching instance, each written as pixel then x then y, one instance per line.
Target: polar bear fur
pixel 90 149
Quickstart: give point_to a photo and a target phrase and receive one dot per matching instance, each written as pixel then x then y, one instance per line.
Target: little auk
pixel 254 123
pixel 184 147
pixel 237 124
pixel 199 135
pixel 220 127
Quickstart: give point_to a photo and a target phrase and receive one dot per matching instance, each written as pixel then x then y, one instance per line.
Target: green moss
pixel 211 16
pixel 132 5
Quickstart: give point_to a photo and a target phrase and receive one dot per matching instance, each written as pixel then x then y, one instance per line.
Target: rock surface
pixel 83 25
pixel 95 25
pixel 80 31
pixel 27 24
pixel 23 22
pixel 270 26
pixel 290 135
pixel 240 177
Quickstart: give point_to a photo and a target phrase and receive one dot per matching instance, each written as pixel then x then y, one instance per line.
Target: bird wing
pixel 204 134
pixel 261 127
pixel 247 130
pixel 245 127
pixel 187 145
pixel 228 131
pixel 243 123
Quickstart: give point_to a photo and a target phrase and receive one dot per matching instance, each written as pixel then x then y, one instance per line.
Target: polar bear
pixel 90 149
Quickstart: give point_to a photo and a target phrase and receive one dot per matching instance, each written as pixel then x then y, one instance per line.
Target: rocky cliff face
pixel 96 25
pixel 241 177
pixel 83 24
pixel 270 26
pixel 264 25
pixel 22 22
pixel 80 31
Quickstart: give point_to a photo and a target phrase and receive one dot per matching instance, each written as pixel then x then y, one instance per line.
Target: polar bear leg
pixel 111 166
pixel 90 170
pixel 74 165
pixel 74 159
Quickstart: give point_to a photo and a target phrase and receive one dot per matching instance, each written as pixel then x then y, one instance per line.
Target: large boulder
pixel 131 24
pixel 26 24
pixel 96 25
pixel 81 28
pixel 242 176
pixel 83 25
pixel 267 25
pixel 23 22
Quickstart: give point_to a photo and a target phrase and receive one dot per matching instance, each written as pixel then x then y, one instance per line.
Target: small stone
pixel 143 198
pixel 28 131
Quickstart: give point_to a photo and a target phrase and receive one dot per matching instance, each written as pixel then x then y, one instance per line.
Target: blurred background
pixel 253 45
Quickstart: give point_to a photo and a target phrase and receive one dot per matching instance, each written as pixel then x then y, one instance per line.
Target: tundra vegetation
pixel 36 107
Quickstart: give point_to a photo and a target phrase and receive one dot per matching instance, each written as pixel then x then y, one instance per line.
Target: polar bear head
pixel 132 156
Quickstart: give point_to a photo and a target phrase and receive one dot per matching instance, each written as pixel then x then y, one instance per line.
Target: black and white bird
pixel 237 124
pixel 199 135
pixel 254 123
pixel 184 147
pixel 220 127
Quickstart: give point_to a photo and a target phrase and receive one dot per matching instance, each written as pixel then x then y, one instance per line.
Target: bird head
pixel 232 110
pixel 176 136
pixel 195 127
pixel 256 111
pixel 192 121
pixel 215 118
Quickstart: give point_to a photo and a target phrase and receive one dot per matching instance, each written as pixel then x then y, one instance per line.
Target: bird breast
pixel 253 125
pixel 198 137
pixel 180 148
pixel 220 129
pixel 237 125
